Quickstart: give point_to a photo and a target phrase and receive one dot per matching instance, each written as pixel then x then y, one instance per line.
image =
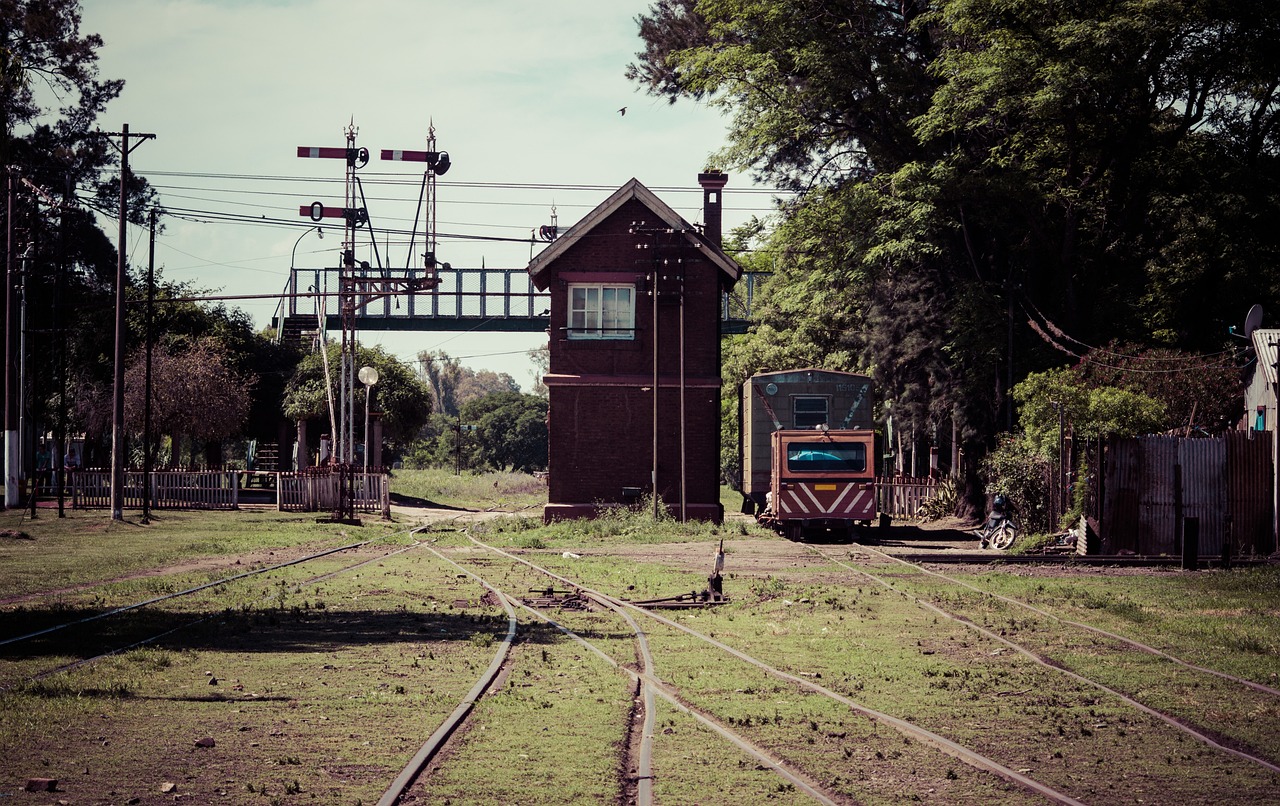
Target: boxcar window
pixel 601 311
pixel 809 412
pixel 818 457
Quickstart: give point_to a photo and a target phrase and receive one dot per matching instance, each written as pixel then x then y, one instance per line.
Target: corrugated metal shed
pixel 1249 490
pixel 1223 482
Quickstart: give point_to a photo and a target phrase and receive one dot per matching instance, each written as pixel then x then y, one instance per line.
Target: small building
pixel 634 375
pixel 1260 410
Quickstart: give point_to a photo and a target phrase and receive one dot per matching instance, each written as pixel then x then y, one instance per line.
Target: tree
pixel 404 399
pixel 968 166
pixel 511 430
pixel 1196 392
pixel 1048 401
pixel 45 58
pixel 197 393
pixel 441 375
pixel 474 384
pixel 453 385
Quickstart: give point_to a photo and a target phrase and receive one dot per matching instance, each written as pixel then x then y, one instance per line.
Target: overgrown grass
pixel 491 491
pixel 88 547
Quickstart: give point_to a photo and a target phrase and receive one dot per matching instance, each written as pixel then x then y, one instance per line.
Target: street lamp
pixel 293 258
pixel 368 376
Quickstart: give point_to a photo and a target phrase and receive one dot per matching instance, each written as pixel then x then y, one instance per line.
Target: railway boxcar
pixel 807 405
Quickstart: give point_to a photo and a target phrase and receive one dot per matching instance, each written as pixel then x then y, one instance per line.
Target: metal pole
pixel 26 421
pixel 117 399
pixel 56 460
pixel 10 438
pixel 657 497
pixel 683 495
pixel 146 405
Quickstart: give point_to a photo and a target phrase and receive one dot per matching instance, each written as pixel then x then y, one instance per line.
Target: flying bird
pixel 623 111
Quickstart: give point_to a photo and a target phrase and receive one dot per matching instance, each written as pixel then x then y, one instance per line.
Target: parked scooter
pixel 999 531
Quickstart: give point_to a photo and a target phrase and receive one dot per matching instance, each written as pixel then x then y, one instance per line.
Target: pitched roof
pixel 1266 345
pixel 632 190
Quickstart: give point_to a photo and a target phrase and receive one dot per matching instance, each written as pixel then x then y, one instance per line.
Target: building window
pixel 809 412
pixel 602 312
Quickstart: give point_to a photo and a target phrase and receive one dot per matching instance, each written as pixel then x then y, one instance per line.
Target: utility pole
pixel 10 392
pixel 146 405
pixel 117 402
pixel 668 277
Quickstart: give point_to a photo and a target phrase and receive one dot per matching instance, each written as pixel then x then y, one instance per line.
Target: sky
pixel 524 96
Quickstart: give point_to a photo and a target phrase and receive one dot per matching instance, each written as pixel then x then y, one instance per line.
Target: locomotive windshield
pixel 827 457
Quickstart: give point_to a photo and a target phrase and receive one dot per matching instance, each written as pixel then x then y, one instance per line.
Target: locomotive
pixel 807 446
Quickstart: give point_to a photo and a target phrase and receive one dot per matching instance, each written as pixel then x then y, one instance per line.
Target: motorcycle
pixel 999 531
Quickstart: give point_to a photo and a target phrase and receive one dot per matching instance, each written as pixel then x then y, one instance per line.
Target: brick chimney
pixel 712 183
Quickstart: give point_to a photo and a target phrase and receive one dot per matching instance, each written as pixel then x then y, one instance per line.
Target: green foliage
pixel 402 397
pixel 942 504
pixel 1021 475
pixel 1196 391
pixel 497 431
pixel 1088 412
pixel 986 186
pixel 511 430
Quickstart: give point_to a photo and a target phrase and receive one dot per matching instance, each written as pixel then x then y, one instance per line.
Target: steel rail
pixel 668 695
pixel 70 667
pixel 1089 627
pixel 954 749
pixel 1079 678
pixel 441 735
pixel 216 583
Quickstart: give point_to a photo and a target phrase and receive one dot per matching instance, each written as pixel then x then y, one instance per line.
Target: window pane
pixel 811 457
pixel 601 312
pixel 809 412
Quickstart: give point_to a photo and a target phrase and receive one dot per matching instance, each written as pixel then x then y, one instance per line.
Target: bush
pixel 1022 476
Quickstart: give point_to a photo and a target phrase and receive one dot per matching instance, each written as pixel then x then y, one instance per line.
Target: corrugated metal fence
pixel 1152 485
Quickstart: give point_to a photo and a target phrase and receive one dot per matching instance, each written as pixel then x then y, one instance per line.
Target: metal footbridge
pixel 462 299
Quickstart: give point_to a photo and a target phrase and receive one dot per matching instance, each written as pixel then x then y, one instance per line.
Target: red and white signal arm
pixel 355 157
pixel 319 212
pixel 437 161
pixel 324 153
pixel 401 155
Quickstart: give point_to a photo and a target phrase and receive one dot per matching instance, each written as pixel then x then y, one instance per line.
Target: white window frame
pixel 593 316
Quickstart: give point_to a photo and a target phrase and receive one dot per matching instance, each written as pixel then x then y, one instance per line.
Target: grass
pixel 88 547
pixel 325 687
pixel 492 490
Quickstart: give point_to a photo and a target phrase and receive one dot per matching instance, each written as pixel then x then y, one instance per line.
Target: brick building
pixel 634 375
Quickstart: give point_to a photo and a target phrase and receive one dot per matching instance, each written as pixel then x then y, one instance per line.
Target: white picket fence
pixel 902 496
pixel 320 490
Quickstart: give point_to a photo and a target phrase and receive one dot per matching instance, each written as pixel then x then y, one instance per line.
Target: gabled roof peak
pixel 631 189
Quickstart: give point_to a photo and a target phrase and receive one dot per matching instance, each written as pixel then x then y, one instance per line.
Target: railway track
pixel 684 667
pixel 1185 723
pixel 1032 787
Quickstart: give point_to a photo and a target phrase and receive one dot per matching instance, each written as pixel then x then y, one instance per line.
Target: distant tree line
pixel 216 381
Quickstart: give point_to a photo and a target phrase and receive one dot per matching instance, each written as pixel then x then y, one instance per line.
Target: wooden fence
pixel 320 489
pixel 170 489
pixel 313 490
pixel 902 496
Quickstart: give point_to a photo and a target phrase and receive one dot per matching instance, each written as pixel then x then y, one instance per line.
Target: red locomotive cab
pixel 823 482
